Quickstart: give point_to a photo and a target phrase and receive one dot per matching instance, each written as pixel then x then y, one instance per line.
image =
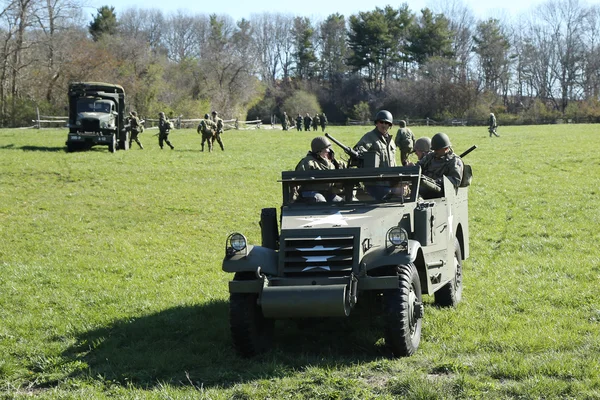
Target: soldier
pixel 136 128
pixel 493 125
pixel 307 122
pixel 320 157
pixel 207 128
pixel 316 122
pixel 284 122
pixel 219 130
pixel 299 123
pixel 405 140
pixel 323 121
pixel 164 127
pixel 439 163
pixel 378 149
pixel 422 147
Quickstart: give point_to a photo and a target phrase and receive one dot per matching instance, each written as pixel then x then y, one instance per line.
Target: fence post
pixel 37 110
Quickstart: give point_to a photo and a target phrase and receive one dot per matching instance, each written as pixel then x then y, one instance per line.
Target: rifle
pixel 470 149
pixel 353 154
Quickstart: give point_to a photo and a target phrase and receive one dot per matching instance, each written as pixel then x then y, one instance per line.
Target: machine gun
pixel 470 149
pixel 355 158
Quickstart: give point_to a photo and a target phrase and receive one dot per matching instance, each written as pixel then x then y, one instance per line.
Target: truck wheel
pixel 403 312
pixel 450 294
pixel 268 228
pixel 70 147
pixel 250 331
pixel 112 147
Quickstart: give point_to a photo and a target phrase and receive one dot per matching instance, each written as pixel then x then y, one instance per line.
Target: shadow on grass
pixel 33 148
pixel 186 346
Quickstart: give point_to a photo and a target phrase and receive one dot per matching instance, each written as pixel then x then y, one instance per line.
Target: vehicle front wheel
pixel 403 312
pixel 450 294
pixel 112 147
pixel 251 332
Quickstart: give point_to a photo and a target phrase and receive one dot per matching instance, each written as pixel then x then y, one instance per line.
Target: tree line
pixel 438 63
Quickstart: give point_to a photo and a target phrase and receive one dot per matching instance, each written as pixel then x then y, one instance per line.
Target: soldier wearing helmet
pixel 320 157
pixel 299 123
pixel 493 125
pixel 405 140
pixel 439 163
pixel 284 122
pixel 378 142
pixel 217 136
pixel 307 122
pixel 422 147
pixel 164 127
pixel 207 128
pixel 136 127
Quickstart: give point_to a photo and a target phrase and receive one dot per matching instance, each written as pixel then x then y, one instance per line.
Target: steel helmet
pixel 319 143
pixel 384 115
pixel 423 144
pixel 440 141
pixel 402 123
pixel 206 116
pixel 161 114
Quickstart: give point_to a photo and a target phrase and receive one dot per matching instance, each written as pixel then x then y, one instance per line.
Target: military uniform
pixel 284 122
pixel 164 127
pixel 323 121
pixel 449 165
pixel 384 147
pixel 315 122
pixel 307 122
pixel 207 129
pixel 405 140
pixel 299 121
pixel 316 192
pixel 219 122
pixel 493 125
pixel 135 127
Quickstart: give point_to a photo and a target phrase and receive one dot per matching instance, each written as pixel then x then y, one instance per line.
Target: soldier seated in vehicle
pixel 320 157
pixel 439 163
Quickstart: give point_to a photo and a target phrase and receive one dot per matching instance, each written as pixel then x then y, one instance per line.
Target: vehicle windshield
pixel 93 105
pixel 368 185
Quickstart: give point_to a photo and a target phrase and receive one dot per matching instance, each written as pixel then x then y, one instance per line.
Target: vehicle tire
pixel 403 312
pixel 450 294
pixel 268 228
pixel 71 147
pixel 251 332
pixel 112 147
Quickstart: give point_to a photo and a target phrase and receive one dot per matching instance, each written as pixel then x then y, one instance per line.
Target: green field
pixel 111 283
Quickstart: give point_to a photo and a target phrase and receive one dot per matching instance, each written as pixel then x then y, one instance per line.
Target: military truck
pixel 97 116
pixel 322 259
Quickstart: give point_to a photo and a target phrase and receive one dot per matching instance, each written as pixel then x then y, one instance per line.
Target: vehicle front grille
pixel 327 255
pixel 90 125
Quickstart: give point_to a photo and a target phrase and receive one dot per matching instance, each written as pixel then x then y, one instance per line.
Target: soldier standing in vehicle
pixel 299 123
pixel 307 122
pixel 422 147
pixel 405 140
pixel 135 127
pixel 320 157
pixel 219 122
pixel 377 149
pixel 439 163
pixel 207 129
pixel 493 125
pixel 323 122
pixel 315 122
pixel 164 128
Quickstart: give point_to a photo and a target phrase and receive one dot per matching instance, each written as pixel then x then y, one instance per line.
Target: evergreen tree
pixel 104 23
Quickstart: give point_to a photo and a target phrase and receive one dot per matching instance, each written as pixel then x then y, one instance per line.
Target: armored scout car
pixel 97 116
pixel 327 257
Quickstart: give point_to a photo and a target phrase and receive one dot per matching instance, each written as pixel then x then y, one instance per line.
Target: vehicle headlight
pixel 398 236
pixel 236 242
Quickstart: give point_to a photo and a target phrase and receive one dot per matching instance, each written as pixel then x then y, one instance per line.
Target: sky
pixel 315 9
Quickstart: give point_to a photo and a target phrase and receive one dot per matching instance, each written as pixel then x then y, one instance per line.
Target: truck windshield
pixel 370 185
pixel 93 105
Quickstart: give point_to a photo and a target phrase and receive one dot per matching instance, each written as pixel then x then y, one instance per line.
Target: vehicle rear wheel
pixel 403 312
pixel 450 294
pixel 251 332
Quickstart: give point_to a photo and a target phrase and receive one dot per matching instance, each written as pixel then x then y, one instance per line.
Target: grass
pixel 111 282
